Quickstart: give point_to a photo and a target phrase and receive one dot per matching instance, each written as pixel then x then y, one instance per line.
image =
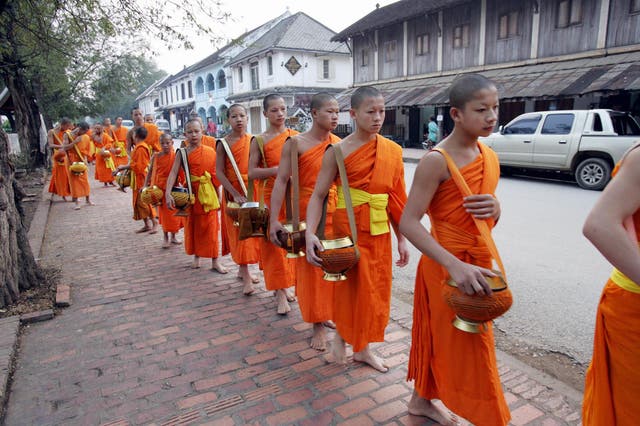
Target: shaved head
pixel 363 93
pixel 464 88
pixel 319 99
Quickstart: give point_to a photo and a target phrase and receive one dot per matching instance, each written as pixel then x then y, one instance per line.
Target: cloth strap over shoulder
pixel 482 226
pixel 232 160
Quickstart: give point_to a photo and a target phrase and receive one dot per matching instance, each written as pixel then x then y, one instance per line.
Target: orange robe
pixel 140 158
pixel 120 141
pixel 103 172
pixel 161 168
pixel 201 228
pixel 456 367
pixel 59 184
pixel 79 184
pixel 209 141
pixel 247 251
pixel 279 272
pixel 362 302
pixel 153 136
pixel 612 384
pixel 315 295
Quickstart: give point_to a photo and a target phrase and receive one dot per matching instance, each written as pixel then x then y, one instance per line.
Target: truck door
pixel 515 147
pixel 551 146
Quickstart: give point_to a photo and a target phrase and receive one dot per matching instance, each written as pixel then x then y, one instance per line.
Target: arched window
pixel 203 114
pixel 212 113
pixel 199 85
pixel 156 103
pixel 210 83
pixel 222 80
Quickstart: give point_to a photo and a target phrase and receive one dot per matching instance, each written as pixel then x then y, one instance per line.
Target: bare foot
pixel 329 324
pixel 291 297
pixel 90 203
pixel 339 350
pixel 64 199
pixel 319 338
pixel 418 406
pixel 196 262
pixel 368 357
pixel 254 279
pixel 166 244
pixel 154 230
pixel 283 303
pixel 77 207
pixel 143 229
pixel 248 289
pixel 217 266
pixel 174 241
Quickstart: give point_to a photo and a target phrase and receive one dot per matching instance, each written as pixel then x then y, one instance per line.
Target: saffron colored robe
pixel 362 302
pixel 162 164
pixel 102 172
pixel 153 137
pixel 79 184
pixel 279 272
pixel 140 158
pixel 315 295
pixel 59 184
pixel 209 141
pixel 612 384
pixel 201 228
pixel 247 251
pixel 456 367
pixel 120 141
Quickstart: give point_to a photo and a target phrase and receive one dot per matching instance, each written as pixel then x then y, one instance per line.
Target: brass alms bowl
pixel 293 242
pixel 339 255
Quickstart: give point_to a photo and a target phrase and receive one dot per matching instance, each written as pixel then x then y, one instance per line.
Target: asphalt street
pixel 555 274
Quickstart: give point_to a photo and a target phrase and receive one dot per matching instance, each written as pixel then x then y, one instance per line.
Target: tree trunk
pixel 18 268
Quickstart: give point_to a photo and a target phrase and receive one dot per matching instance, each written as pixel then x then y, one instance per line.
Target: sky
pixel 248 14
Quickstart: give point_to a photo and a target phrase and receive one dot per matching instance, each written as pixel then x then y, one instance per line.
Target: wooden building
pixel 542 54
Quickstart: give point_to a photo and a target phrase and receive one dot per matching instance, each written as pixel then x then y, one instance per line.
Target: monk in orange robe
pixel 245 252
pixel 119 148
pixel 77 145
pixel 202 225
pixel 139 166
pixel 153 134
pixel 105 166
pixel 612 385
pixel 457 367
pixel 375 175
pixel 315 295
pixel 161 164
pixel 59 184
pixel 279 272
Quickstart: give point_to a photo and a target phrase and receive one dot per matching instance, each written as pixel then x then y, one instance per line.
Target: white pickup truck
pixel 586 143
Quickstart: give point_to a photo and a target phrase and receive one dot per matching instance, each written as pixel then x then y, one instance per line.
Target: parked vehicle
pixel 585 143
pixel 127 123
pixel 163 125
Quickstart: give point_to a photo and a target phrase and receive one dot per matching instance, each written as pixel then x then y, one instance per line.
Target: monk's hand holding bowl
pixel 277 233
pixel 482 206
pixel 313 246
pixel 168 198
pixel 470 279
pixel 239 198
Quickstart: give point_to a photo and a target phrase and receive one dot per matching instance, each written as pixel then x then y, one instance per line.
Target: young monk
pixel 119 148
pixel 139 165
pixel 105 166
pixel 59 184
pixel 375 173
pixel 77 146
pixel 456 367
pixel 201 226
pixel 161 164
pixel 315 295
pixel 153 134
pixel 279 272
pixel 245 252
pixel 612 385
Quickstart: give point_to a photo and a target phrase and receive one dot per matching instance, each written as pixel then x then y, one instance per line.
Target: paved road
pixel 555 274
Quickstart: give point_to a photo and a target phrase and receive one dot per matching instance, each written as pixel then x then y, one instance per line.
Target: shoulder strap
pixel 153 170
pixel 482 226
pixel 347 194
pixel 260 142
pixel 185 165
pixel 232 159
pixel 295 185
pixel 75 147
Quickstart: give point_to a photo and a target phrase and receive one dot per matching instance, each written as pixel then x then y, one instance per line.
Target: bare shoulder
pixel 434 166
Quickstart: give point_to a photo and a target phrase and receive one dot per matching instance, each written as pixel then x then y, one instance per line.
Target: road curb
pixel 38 225
pixel 9 329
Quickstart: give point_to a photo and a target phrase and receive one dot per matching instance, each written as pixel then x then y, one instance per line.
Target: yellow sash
pixel 109 163
pixel 378 218
pixel 123 150
pixel 623 281
pixel 206 192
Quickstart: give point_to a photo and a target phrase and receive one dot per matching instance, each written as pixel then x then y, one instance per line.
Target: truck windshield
pixel 624 125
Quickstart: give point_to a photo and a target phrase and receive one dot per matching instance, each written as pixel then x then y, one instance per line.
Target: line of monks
pixel 447 364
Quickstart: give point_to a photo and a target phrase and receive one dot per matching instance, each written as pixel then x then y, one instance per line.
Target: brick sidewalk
pixel 149 340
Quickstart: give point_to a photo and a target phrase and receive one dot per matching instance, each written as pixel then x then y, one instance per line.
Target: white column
pixel 405 48
pixel 440 42
pixel 535 32
pixel 603 24
pixel 483 32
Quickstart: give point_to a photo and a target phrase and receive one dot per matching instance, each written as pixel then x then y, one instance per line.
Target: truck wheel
pixel 593 173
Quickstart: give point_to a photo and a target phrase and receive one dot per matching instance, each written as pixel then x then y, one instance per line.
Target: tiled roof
pixel 393 13
pixel 299 32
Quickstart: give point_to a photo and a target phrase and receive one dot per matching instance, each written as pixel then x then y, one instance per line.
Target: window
pixel 390 51
pixel 325 69
pixel 624 125
pixel 597 122
pixel 171 93
pixel 634 6
pixel 156 103
pixel 255 81
pixel 161 98
pixel 364 58
pixel 557 124
pixel 190 88
pixel 422 44
pixel 182 90
pixel 523 126
pixel 240 79
pixel 569 13
pixel 508 24
pixel 222 80
pixel 210 83
pixel 269 65
pixel 199 85
pixel 461 36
